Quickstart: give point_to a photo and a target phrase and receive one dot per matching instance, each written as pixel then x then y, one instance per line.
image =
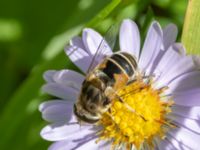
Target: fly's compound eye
pixel 92 107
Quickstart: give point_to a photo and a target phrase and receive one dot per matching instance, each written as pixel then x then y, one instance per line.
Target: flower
pixel 168 114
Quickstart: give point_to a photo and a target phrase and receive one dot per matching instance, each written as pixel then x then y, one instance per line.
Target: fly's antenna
pixel 108 41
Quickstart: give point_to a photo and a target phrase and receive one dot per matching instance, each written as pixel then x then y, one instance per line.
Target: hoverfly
pixel 97 90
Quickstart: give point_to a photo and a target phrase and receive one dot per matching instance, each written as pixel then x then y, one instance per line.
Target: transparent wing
pixel 106 45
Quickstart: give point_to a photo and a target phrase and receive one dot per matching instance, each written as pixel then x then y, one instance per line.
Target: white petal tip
pixel 41 107
pixel 44 133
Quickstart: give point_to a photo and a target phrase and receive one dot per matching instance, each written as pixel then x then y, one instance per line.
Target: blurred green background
pixel 32 36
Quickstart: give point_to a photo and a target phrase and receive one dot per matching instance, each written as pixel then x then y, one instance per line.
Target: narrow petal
pixel 165 144
pixel 70 78
pixel 186 137
pixel 130 38
pixel 57 110
pixel 57 132
pixel 187 112
pixel 152 46
pixel 93 145
pixel 92 40
pixel 79 57
pixel 174 144
pixel 192 125
pixel 60 91
pixel 48 75
pixel 170 33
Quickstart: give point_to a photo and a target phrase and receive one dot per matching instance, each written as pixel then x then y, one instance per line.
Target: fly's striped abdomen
pixel 118 63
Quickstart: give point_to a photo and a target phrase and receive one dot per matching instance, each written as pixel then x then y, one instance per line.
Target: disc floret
pixel 136 116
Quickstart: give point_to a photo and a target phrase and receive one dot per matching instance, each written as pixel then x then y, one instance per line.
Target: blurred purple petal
pixel 187 112
pixel 92 40
pixel 179 68
pixel 165 145
pixel 187 81
pixel 63 145
pixel 152 46
pixel 169 58
pixel 73 145
pixel 60 91
pixel 92 145
pixel 185 137
pixel 48 75
pixel 57 110
pixel 192 125
pixel 130 38
pixel 78 42
pixel 196 60
pixel 79 57
pixel 71 131
pixel 170 33
pixel 187 98
pixel 65 77
pixel 69 78
pixel 174 144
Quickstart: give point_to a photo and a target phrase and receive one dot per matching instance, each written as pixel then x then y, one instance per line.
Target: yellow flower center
pixel 136 115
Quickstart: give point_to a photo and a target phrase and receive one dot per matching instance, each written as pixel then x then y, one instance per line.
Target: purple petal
pixel 192 125
pixel 85 144
pixel 152 46
pixel 165 145
pixel 169 35
pixel 60 91
pixel 63 145
pixel 186 137
pixel 187 81
pixel 196 60
pixel 187 112
pixel 79 57
pixel 182 66
pixel 92 145
pixel 57 110
pixel 69 78
pixel 65 77
pixel 77 42
pixel 187 98
pixel 92 40
pixel 174 144
pixel 48 75
pixel 72 131
pixel 169 58
pixel 130 38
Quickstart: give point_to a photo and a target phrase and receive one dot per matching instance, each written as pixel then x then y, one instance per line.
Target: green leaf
pixel 104 13
pixel 191 30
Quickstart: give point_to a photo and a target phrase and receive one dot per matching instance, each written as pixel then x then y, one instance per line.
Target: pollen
pixel 136 116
